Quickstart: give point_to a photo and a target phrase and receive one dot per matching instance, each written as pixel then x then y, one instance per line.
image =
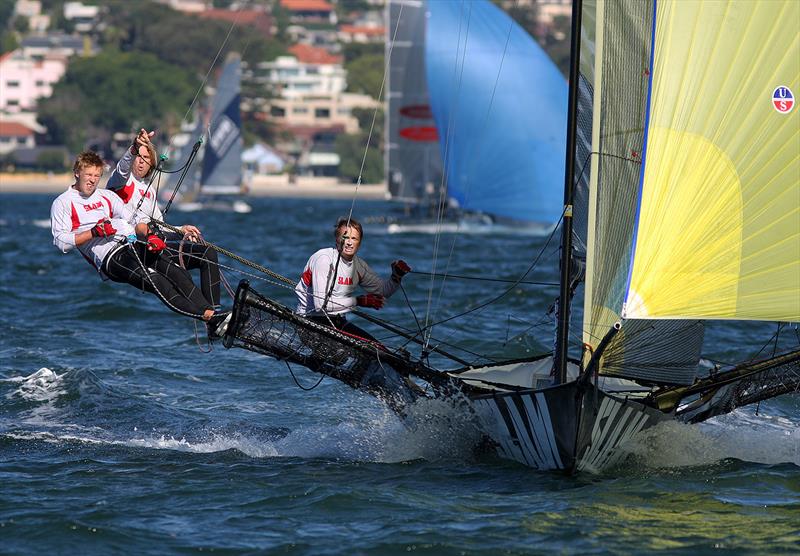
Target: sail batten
pixel 718 233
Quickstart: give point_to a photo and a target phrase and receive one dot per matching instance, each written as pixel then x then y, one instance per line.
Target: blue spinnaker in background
pixel 500 105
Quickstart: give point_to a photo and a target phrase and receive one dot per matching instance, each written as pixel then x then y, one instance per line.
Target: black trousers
pixel 194 256
pixel 340 323
pixel 154 273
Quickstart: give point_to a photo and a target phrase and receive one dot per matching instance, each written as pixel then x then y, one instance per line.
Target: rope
pixel 307 389
pixel 230 254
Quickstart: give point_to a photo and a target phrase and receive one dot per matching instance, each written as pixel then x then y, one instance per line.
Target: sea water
pixel 121 431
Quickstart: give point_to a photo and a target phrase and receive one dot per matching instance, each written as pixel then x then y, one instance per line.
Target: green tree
pixel 8 41
pixel 114 92
pixel 365 74
pixel 185 40
pixel 21 24
pixel 6 11
pixel 350 148
pixel 355 50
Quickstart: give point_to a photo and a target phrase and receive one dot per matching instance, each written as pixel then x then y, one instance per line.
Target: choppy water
pixel 118 434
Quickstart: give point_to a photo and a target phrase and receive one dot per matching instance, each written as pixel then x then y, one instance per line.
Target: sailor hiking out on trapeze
pixel 119 244
pixel 131 181
pixel 331 276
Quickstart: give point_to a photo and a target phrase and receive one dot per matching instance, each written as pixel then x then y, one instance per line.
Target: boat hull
pixel 572 427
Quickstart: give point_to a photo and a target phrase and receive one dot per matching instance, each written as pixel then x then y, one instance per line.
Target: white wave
pixel 377 435
pixel 740 435
pixel 42 386
pixel 222 443
pixel 42 223
pixel 437 431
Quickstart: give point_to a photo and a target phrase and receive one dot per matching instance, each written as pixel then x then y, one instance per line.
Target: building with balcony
pixel 38 47
pixel 362 33
pixel 310 71
pixel 309 11
pixel 82 16
pixel 24 79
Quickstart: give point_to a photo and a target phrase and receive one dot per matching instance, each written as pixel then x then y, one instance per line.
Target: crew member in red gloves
pixel 327 286
pixel 104 230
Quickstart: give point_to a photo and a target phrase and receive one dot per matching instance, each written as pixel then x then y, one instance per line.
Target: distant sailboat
pixel 220 186
pixel 413 163
pixel 499 105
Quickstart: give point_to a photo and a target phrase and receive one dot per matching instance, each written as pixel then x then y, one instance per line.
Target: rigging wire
pixel 482 278
pixel 386 67
pixel 480 144
pixel 457 80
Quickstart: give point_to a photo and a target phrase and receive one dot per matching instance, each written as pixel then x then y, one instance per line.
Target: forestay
pixel 663 352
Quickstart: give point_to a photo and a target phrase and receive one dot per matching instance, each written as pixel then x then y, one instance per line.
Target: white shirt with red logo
pixel 72 213
pixel 316 281
pixel 132 190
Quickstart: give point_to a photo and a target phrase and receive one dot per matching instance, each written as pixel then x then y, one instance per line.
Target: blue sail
pixel 500 105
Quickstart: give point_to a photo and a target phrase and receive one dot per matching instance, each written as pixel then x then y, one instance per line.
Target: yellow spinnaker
pixel 718 234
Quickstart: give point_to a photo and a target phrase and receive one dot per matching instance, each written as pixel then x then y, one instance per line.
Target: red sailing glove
pixel 399 269
pixel 371 300
pixel 155 244
pixel 103 228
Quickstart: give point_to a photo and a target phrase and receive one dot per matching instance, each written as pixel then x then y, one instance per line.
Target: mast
pixel 562 330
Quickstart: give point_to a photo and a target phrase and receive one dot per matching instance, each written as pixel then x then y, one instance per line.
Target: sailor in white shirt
pixel 331 276
pixel 104 231
pixel 131 181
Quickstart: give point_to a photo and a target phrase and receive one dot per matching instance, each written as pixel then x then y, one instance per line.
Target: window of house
pixel 277 111
pixel 300 110
pixel 12 102
pixel 5 139
pixel 21 140
pixel 39 83
pixel 11 84
pixel 322 113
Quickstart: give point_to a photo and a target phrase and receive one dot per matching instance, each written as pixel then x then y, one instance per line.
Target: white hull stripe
pixel 611 428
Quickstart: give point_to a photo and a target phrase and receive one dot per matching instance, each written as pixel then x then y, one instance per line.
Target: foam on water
pixel 432 430
pixel 742 435
pixel 42 386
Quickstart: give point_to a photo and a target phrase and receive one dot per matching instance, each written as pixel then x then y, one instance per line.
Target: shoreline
pixel 280 186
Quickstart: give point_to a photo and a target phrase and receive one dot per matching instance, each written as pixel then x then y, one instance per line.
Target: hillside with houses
pixel 76 75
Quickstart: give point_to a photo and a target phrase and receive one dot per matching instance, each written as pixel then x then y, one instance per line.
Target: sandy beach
pixel 260 186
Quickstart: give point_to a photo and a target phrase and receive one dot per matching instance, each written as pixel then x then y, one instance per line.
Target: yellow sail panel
pixel 718 233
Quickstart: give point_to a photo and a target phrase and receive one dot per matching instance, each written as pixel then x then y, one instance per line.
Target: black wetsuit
pixel 193 256
pixel 154 273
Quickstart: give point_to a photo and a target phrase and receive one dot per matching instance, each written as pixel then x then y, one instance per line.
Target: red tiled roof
pixel 354 29
pixel 253 18
pixel 6 55
pixel 307 5
pixel 14 129
pixel 313 54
